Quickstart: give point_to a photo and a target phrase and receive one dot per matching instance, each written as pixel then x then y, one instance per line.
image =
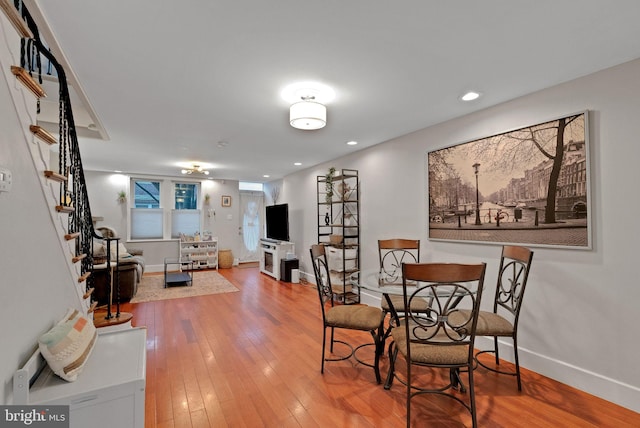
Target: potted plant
pixel 328 182
pixel 207 199
pixel 122 196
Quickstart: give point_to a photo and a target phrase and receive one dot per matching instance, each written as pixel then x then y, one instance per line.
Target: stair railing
pixel 73 196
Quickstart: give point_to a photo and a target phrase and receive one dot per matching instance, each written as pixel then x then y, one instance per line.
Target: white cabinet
pixel 271 253
pixel 110 391
pixel 203 254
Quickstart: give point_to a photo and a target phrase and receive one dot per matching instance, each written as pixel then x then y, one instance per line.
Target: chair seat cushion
pixel 359 317
pixel 491 324
pixel 431 354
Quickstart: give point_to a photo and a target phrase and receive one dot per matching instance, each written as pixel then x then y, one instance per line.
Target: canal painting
pixel 528 186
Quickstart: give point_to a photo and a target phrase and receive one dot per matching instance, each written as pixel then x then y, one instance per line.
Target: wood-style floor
pixel 252 359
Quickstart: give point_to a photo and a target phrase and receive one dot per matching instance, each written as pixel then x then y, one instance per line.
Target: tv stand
pixel 272 252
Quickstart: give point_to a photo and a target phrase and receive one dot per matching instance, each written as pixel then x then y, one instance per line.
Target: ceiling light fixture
pixel 195 169
pixel 308 114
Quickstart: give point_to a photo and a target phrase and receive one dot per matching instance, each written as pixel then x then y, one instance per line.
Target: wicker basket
pixel 225 259
pixel 335 239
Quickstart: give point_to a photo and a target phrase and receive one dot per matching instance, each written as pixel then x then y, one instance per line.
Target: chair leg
pixel 517 361
pixel 331 345
pixel 393 354
pixel 472 398
pixel 376 362
pixel 324 343
pixel 408 394
pixel 495 348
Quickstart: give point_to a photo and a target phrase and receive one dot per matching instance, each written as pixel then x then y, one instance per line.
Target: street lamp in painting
pixel 476 167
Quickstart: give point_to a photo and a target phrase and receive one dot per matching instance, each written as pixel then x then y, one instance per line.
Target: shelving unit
pixel 203 254
pixel 338 204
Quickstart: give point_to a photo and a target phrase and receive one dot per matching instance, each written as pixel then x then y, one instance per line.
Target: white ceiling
pixel 169 80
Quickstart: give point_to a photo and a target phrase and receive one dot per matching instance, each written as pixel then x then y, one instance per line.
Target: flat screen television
pixel 277 219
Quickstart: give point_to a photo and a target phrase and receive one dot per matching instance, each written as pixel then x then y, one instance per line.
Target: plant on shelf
pixel 122 196
pixel 207 199
pixel 328 183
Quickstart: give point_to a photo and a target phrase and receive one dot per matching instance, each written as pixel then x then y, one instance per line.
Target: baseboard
pixel 609 389
pixel 612 390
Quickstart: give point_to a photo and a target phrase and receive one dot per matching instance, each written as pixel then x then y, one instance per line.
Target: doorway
pixel 251 228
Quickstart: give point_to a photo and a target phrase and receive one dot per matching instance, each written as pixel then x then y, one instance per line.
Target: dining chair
pixel 432 339
pixel 515 264
pixel 340 316
pixel 392 253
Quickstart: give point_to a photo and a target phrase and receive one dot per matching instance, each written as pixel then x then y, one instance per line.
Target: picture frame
pixel 529 186
pixel 226 201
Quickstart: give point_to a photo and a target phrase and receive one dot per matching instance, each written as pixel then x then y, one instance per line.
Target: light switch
pixel 229 216
pixel 5 180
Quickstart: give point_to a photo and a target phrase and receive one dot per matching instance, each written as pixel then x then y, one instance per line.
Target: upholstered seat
pixel 359 317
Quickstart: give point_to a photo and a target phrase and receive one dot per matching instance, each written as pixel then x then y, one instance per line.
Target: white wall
pixel 103 188
pixel 581 308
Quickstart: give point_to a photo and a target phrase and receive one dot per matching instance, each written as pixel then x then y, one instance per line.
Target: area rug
pixel 207 282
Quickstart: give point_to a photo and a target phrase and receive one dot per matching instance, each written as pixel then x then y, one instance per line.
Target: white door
pixel 251 229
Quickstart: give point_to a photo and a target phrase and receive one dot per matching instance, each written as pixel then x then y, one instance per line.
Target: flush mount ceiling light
pixel 195 169
pixel 308 114
pixel 307 101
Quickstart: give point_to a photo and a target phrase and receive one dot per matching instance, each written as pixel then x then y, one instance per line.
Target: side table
pixel 286 265
pixel 179 277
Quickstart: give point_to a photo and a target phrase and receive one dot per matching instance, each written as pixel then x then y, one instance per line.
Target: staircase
pixel 63 184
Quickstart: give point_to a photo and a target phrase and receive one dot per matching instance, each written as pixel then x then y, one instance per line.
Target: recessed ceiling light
pixel 470 96
pixel 298 163
pixel 266 176
pixel 352 143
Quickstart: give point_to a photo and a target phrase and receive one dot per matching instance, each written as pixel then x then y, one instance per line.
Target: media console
pixel 272 252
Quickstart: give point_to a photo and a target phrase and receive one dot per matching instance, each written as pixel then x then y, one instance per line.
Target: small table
pixel 180 277
pixel 286 265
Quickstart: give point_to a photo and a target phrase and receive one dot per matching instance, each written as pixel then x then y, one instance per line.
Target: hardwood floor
pixel 252 359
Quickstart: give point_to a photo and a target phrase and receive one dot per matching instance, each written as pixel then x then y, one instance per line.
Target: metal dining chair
pixel 392 253
pixel 432 339
pixel 515 264
pixel 338 316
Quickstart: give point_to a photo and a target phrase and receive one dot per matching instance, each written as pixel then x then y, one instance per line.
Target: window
pixel 146 194
pixel 186 196
pixel 146 214
pixel 185 218
pixel 246 185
